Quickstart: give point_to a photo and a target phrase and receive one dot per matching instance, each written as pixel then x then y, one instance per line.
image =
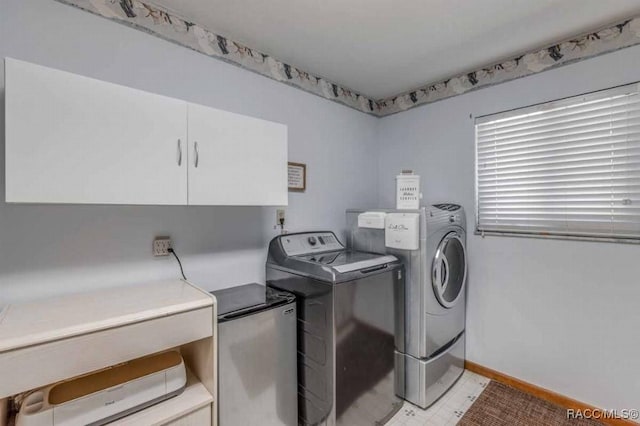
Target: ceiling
pixel 381 48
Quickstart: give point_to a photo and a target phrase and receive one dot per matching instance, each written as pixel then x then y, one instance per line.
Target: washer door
pixel 449 270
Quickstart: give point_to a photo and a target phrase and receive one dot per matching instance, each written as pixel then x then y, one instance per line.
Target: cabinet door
pixel 236 160
pixel 72 139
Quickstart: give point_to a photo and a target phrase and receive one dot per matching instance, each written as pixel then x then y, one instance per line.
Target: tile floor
pixel 449 409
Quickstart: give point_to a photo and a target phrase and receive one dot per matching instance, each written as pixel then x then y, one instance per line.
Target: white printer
pixel 107 395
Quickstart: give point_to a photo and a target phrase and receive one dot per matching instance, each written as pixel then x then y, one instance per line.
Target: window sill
pixel 586 238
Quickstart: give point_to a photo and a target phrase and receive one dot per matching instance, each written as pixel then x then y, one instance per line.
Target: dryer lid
pixel 347 261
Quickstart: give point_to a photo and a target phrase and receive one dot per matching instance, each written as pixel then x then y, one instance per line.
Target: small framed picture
pixel 297 177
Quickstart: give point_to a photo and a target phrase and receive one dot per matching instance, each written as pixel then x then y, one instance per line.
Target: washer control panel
pixel 309 242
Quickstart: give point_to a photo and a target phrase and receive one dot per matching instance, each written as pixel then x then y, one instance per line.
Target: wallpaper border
pixel 153 20
pixel 621 35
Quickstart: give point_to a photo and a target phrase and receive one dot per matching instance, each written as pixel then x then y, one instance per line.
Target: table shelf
pixel 47 341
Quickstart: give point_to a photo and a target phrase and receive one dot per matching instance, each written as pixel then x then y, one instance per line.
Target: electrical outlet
pixel 280 217
pixel 161 246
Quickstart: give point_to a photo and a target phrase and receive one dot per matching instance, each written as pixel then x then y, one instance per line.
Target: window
pixel 565 168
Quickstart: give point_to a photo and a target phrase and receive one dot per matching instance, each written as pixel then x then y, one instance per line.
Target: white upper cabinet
pixel 235 160
pixel 72 139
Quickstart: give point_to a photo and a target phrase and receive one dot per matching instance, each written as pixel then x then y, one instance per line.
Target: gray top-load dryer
pixel 347 326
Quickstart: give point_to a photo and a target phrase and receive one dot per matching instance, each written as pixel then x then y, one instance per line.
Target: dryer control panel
pixel 310 242
pixel 448 213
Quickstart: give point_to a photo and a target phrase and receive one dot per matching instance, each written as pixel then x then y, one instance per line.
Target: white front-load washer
pixel 432 358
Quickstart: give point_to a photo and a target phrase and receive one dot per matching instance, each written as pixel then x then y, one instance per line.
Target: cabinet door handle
pixel 196 158
pixel 179 152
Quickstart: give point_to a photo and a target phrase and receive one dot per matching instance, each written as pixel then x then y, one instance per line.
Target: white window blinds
pixel 569 167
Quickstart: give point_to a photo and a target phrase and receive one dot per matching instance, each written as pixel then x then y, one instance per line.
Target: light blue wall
pixel 559 314
pixel 51 249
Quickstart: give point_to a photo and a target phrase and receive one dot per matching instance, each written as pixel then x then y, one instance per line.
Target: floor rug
pixel 502 405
